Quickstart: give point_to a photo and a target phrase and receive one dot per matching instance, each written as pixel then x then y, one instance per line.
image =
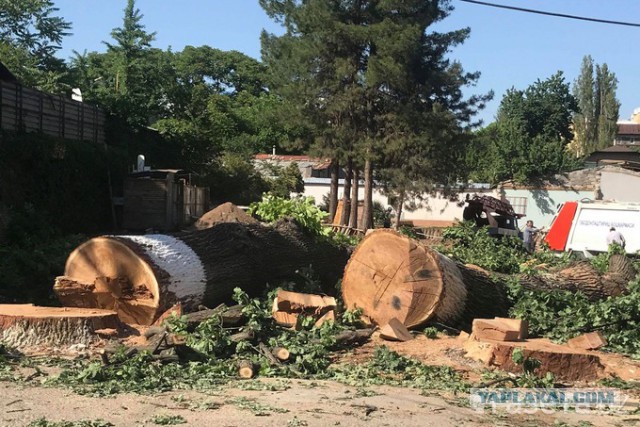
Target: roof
pixel 628 128
pixel 287 158
pixel 616 149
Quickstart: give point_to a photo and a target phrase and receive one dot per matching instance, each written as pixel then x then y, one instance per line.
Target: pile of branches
pixel 246 337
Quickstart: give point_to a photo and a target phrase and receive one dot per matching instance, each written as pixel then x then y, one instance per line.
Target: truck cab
pixel 498 215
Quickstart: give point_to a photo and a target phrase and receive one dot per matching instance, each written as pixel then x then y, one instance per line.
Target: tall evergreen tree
pixel 609 106
pixel 364 71
pixel 585 121
pixel 598 109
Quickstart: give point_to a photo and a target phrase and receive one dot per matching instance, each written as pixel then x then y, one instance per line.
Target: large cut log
pixel 142 276
pixel 26 325
pixel 392 276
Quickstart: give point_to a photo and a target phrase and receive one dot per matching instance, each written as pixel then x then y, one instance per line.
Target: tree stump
pixel 142 276
pixel 26 325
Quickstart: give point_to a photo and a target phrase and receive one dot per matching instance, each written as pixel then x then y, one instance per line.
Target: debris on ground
pixel 288 307
pixel 589 341
pixel 497 329
pixel 395 331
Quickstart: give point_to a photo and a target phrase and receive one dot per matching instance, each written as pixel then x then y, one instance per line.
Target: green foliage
pixel 430 332
pixel 29 266
pixel 30 35
pixel 389 368
pixel 272 208
pixel 43 422
pixel 529 378
pixel 310 349
pixel 168 420
pixel 561 315
pixel 601 261
pixel 409 232
pixel 528 139
pixel 472 245
pixel 283 180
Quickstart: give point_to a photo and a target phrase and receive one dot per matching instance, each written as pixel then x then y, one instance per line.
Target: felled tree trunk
pixel 392 276
pixel 583 277
pixel 142 276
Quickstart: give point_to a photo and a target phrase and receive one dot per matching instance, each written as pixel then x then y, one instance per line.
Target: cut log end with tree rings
pixel 246 369
pixel 281 353
pixel 133 275
pixel 26 325
pixel 392 276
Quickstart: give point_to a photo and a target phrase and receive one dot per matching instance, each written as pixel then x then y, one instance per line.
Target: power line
pixel 561 15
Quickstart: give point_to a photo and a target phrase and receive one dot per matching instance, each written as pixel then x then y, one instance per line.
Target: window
pixel 519 204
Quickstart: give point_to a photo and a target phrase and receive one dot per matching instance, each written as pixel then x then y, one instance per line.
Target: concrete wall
pixel 433 210
pixel 620 185
pixel 542 204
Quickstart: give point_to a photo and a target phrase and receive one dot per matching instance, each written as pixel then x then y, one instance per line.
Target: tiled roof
pixel 628 128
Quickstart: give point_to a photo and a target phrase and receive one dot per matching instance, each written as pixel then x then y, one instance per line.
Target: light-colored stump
pixel 26 325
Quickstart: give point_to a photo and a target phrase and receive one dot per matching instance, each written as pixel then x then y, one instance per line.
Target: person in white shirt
pixel 614 236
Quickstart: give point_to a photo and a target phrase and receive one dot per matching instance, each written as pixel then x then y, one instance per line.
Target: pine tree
pixel 364 72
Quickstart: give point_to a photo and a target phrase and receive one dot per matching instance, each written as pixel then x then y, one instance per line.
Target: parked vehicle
pixel 583 226
pixel 498 215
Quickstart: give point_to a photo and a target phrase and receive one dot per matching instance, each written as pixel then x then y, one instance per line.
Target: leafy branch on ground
pixel 303 209
pixel 43 422
pixel 390 368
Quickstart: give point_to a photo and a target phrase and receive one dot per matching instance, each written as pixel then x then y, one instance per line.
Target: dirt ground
pixel 292 403
pixel 283 402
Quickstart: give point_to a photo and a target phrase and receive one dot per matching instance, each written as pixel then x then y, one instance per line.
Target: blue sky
pixel 510 49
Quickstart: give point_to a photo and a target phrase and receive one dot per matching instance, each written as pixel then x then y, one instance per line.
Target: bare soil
pixel 284 402
pixel 292 403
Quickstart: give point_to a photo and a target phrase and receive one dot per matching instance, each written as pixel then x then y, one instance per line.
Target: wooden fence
pixel 162 204
pixel 30 110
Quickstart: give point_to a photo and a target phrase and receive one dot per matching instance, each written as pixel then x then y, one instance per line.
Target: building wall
pixel 434 210
pixel 620 185
pixel 542 204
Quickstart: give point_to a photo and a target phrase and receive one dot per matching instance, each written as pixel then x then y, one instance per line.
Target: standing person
pixel 529 236
pixel 614 236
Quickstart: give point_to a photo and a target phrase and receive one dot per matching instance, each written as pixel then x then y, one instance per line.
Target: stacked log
pixel 142 276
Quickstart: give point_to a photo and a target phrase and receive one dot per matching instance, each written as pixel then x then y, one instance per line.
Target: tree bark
pixel 392 276
pixel 367 210
pixel 399 207
pixel 333 189
pixel 142 276
pixel 346 195
pixel 353 217
pixel 26 325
